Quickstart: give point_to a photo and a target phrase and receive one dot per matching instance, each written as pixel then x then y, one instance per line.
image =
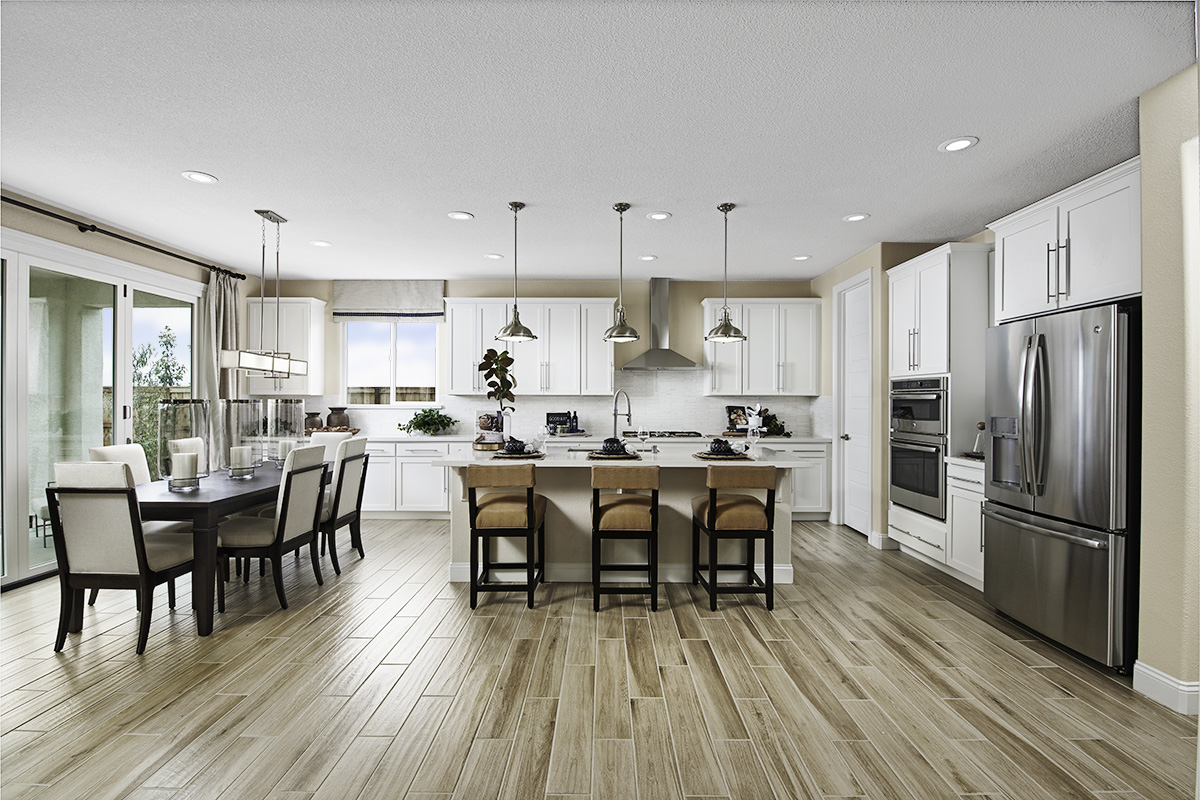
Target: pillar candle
pixel 183 465
pixel 240 457
pixel 285 446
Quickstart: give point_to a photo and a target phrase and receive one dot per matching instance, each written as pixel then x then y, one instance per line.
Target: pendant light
pixel 621 331
pixel 514 331
pixel 725 330
pixel 273 363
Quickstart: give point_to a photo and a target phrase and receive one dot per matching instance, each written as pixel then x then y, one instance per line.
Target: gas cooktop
pixel 666 434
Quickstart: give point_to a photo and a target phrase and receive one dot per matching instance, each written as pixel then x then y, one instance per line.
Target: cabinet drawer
pixel 923 534
pixel 381 449
pixel 967 478
pixel 418 450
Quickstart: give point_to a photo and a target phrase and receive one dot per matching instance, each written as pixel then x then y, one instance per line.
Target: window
pixel 390 362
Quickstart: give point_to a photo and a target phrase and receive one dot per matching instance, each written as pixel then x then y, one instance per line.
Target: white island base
pixel 565 480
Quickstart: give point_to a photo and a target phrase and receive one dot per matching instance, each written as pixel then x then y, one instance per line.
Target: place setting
pixel 721 450
pixel 517 450
pixel 613 449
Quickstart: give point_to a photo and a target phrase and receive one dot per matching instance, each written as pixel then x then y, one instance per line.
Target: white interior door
pixel 852 398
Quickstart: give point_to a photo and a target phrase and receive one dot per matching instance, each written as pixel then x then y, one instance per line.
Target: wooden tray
pixel 311 431
pixel 518 456
pixel 613 457
pixel 712 457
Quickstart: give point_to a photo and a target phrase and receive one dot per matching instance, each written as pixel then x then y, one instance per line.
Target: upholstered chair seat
pixel 734 511
pixel 724 514
pixel 505 514
pixel 620 518
pixel 508 510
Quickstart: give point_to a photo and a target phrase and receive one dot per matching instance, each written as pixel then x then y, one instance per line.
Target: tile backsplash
pixel 662 400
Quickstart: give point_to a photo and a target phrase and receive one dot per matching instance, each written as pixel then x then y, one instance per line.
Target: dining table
pixel 218 496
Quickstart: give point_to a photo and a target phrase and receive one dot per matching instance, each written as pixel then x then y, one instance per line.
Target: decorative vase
pixel 337 417
pixel 312 420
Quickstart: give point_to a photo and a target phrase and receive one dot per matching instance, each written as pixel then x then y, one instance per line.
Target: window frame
pixel 439 378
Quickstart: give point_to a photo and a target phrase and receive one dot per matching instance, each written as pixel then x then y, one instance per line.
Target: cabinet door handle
pixel 916 348
pixel 1051 296
pixel 1066 282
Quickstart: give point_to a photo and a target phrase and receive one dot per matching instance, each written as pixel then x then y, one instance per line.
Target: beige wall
pixel 1169 628
pixel 38 225
pixel 878 259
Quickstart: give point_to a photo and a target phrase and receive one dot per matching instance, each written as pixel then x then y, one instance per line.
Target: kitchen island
pixel 564 477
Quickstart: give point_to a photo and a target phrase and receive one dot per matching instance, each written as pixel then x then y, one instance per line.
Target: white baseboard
pixel 460 572
pixel 1179 696
pixel 406 515
pixel 881 541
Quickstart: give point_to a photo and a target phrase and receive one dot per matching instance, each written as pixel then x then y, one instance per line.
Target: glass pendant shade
pixel 725 331
pixel 514 331
pixel 621 331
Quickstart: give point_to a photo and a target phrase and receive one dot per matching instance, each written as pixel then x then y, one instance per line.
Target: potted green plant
pixel 494 367
pixel 428 421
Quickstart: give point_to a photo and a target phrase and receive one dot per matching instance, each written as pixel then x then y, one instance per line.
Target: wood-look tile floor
pixel 875 677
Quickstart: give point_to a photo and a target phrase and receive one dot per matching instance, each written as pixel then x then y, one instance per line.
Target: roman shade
pixel 388 301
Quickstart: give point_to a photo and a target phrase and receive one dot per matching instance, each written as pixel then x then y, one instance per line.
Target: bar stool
pixel 735 516
pixel 505 514
pixel 625 516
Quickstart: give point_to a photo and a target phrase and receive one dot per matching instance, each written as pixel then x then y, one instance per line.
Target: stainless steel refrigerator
pixel 1060 545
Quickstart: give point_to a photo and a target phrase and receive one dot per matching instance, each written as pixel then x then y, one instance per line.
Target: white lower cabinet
pixel 964 520
pixel 419 485
pixel 400 479
pixel 379 489
pixel 810 480
pixel 957 542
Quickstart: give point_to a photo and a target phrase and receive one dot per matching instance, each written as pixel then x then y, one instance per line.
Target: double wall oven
pixel 917 445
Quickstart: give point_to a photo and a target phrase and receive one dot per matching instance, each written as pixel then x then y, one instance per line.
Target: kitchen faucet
pixel 628 410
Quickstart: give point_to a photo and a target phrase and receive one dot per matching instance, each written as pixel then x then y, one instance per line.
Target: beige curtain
pixel 219 331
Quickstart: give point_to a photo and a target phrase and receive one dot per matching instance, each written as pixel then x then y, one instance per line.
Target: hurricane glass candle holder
pixel 183 446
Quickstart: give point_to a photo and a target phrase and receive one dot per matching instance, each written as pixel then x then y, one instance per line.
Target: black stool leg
pixel 531 563
pixel 596 541
pixel 695 552
pixel 712 571
pixel 474 569
pixel 769 558
pixel 749 560
pixel 652 546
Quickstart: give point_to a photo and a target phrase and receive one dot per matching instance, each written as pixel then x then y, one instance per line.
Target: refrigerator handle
pixel 1082 541
pixel 1041 413
pixel 1022 420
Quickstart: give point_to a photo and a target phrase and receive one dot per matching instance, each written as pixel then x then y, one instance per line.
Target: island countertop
pixel 556 456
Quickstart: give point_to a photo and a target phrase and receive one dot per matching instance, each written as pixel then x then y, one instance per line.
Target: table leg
pixel 204 576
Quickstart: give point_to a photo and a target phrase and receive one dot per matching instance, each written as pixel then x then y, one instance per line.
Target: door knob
pixel 846 436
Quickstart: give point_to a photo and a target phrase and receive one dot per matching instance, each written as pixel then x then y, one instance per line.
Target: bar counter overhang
pixel 565 479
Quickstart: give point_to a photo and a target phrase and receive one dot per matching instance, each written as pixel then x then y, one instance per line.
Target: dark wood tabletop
pixel 217 497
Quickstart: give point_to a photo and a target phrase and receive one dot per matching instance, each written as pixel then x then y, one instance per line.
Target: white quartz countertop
pixel 559 458
pixel 596 438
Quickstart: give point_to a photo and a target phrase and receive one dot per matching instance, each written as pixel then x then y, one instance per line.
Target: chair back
pixel 330 441
pixel 509 476
pixel 349 472
pixel 131 454
pixel 94 514
pixel 741 477
pixel 298 509
pixel 625 477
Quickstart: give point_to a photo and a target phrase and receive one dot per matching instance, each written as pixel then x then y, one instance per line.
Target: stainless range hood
pixel 660 355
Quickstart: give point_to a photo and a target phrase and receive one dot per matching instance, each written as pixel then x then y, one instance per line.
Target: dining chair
pixel 135 456
pixel 101 542
pixel 295 524
pixel 735 516
pixel 343 498
pixel 505 514
pixel 625 516
pixel 329 440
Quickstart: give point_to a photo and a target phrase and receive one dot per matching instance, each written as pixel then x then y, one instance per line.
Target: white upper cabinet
pixel 928 297
pixel 563 360
pixel 781 354
pixel 301 334
pixel 1078 247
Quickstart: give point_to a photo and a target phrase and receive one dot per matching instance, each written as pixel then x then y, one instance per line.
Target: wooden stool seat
pixel 625 516
pixel 502 515
pixel 740 517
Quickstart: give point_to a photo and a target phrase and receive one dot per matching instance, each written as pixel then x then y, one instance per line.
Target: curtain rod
pixel 89 228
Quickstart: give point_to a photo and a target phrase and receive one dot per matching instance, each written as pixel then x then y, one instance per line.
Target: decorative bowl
pixel 514 447
pixel 612 447
pixel 720 447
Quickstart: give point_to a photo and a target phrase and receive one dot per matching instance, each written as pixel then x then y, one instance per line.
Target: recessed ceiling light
pixel 492 255
pixel 460 215
pixel 855 217
pixel 801 258
pixel 647 258
pixel 321 243
pixel 958 143
pixel 199 177
pixel 658 216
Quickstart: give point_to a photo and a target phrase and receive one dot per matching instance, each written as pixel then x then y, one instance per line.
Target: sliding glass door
pixel 87 356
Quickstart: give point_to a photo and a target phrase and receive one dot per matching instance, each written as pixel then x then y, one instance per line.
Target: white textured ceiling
pixel 364 123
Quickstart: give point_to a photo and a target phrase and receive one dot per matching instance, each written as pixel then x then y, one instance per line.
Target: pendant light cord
pixel 515 209
pixel 277 314
pixel 725 280
pixel 621 264
pixel 262 287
